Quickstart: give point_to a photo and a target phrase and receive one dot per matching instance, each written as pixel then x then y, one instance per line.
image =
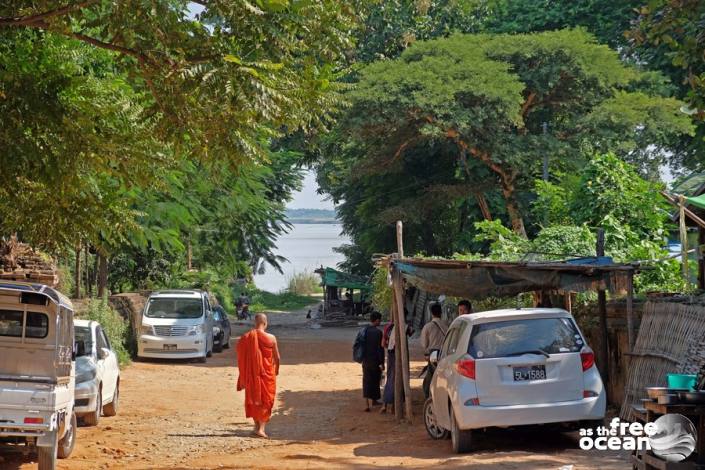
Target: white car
pixel 97 373
pixel 177 324
pixel 508 368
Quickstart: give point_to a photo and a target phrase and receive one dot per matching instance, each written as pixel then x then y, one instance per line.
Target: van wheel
pixel 67 443
pixel 92 419
pixel 111 408
pixel 46 457
pixel 429 419
pixel 218 347
pixel 461 440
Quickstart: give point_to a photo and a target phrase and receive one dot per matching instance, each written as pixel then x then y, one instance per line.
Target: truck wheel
pixel 46 457
pixel 461 440
pixel 91 419
pixel 67 443
pixel 111 408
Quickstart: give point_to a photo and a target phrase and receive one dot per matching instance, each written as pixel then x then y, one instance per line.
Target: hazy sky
pixel 307 197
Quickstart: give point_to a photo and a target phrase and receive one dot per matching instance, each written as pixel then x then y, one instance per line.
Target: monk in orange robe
pixel 258 364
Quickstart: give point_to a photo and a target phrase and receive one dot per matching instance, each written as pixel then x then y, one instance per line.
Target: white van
pixel 176 324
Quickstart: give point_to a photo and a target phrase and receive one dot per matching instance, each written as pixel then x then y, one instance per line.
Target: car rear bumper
pixel 186 346
pixel 587 409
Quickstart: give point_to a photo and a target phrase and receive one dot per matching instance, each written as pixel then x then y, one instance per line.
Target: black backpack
pixel 359 346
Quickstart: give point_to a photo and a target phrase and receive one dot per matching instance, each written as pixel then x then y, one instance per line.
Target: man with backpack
pixel 432 336
pixel 368 351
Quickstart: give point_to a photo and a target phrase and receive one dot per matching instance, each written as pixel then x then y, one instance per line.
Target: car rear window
pixel 507 338
pixel 11 324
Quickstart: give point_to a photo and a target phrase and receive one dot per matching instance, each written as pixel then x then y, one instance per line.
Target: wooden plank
pixel 398 374
pixel 694 217
pixel 603 352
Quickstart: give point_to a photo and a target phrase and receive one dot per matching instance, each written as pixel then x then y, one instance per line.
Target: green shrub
pixel 304 283
pixel 115 327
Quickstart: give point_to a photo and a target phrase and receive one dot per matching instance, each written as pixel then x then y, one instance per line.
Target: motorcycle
pixel 244 312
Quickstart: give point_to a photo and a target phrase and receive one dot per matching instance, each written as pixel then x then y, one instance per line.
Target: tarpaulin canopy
pixel 480 279
pixel 698 201
pixel 335 278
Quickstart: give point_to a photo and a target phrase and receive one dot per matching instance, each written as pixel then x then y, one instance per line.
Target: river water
pixel 307 247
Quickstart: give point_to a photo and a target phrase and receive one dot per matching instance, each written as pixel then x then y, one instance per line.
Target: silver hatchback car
pixel 513 367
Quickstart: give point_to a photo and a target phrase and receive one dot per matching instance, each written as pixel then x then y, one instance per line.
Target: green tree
pixel 487 98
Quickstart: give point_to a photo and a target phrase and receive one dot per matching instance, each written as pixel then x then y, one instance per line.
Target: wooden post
pixel 77 273
pixel 630 309
pixel 403 345
pixel 189 256
pixel 603 352
pixel 684 237
pixel 701 258
pixel 398 374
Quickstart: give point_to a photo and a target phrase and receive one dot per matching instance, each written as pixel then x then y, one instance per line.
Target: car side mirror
pixel 79 349
pixel 433 358
pixel 103 353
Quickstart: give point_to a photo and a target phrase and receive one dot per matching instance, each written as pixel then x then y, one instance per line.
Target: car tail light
pixel 33 420
pixel 472 402
pixel 588 359
pixel 589 394
pixel 466 367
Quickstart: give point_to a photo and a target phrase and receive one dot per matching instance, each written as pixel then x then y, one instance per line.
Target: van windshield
pixel 535 335
pixel 174 308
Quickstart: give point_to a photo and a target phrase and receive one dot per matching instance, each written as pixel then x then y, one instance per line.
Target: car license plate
pixel 169 347
pixel 529 373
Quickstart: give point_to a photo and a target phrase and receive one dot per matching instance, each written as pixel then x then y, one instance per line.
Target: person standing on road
pixel 432 336
pixel 372 362
pixel 258 364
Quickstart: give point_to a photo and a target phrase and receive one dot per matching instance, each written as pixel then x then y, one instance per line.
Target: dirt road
pixel 188 416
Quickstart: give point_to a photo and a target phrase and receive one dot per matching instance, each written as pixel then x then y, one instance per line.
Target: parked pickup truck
pixel 37 371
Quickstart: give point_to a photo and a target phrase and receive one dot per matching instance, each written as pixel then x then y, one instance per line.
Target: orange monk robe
pixel 256 364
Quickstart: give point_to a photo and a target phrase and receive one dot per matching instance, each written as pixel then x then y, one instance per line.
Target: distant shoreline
pixel 311 216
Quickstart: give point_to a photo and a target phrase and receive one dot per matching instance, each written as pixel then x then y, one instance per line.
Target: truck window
pixel 11 323
pixel 37 325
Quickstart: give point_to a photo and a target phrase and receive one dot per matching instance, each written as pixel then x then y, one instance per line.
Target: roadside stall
pixel 344 294
pixel 480 279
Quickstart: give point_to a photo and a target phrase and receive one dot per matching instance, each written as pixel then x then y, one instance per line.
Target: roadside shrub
pixel 304 283
pixel 115 327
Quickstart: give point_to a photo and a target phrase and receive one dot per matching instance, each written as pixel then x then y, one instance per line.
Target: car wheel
pixel 111 408
pixel 218 347
pixel 226 343
pixel 429 419
pixel 202 359
pixel 461 440
pixel 67 443
pixel 46 457
pixel 92 419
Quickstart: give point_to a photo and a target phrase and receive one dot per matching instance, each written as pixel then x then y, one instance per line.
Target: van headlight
pixel 147 330
pixel 196 330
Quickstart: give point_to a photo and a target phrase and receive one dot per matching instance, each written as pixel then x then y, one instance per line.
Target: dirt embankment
pixel 189 416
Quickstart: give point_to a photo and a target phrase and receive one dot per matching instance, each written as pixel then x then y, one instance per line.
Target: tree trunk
pixel 89 286
pixel 512 206
pixel 102 274
pixel 77 274
pixel 484 207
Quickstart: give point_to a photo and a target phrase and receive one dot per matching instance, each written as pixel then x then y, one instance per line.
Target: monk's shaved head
pixel 260 319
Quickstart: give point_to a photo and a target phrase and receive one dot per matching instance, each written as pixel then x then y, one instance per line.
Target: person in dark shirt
pixel 372 362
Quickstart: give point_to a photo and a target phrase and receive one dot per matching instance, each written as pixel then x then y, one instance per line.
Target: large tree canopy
pixel 499 103
pixel 221 79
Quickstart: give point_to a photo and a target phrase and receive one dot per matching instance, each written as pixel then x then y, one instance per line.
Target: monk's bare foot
pixel 262 435
pixel 367 410
pixel 383 410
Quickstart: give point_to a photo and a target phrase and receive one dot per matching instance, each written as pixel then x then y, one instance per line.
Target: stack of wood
pixel 20 262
